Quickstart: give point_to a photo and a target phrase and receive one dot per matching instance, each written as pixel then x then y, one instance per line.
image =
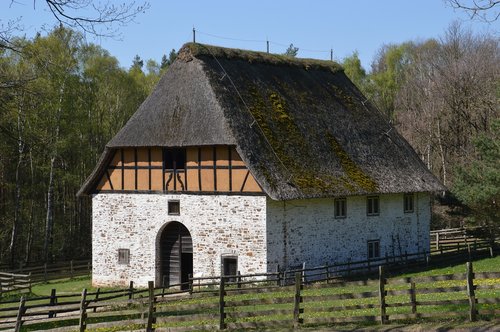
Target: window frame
pixel 370 205
pixel 340 207
pixel 408 197
pixel 123 256
pixel 171 203
pixel 225 257
pixel 373 249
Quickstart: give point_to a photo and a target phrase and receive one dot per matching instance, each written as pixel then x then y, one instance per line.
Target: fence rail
pixel 252 301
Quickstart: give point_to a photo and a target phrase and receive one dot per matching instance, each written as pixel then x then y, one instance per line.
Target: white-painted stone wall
pixel 297 231
pixel 219 224
pixel 306 230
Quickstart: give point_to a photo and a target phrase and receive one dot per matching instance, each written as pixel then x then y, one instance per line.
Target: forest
pixel 62 99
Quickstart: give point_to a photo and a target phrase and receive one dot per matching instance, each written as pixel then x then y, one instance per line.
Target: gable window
pixel 174 207
pixel 123 256
pixel 373 249
pixel 175 158
pixel 340 207
pixel 408 203
pixel 372 206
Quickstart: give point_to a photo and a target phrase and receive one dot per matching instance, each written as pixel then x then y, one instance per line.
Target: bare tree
pixel 449 96
pixel 484 10
pixel 99 18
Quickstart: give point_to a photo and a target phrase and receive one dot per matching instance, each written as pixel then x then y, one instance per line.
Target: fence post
pixel 491 251
pixel 238 278
pixel 71 269
pixel 413 297
pixel 29 280
pixel 131 290
pixel 83 311
pixel 96 298
pixel 20 313
pixel 470 292
pixel 278 274
pixel 45 272
pixel 303 272
pixel 222 304
pixel 382 293
pixel 327 271
pixel 53 302
pixel 88 267
pixel 437 241
pixel 297 300
pixel 151 307
pixel 190 278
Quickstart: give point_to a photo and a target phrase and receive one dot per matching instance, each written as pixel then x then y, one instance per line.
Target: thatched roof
pixel 300 125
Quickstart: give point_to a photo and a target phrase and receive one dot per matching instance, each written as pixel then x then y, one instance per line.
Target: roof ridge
pixel 196 50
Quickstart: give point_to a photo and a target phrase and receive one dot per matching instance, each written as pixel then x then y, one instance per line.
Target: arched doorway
pixel 176 254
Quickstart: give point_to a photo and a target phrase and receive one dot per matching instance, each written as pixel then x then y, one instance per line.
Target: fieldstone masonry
pixel 297 231
pixel 219 224
pixel 306 230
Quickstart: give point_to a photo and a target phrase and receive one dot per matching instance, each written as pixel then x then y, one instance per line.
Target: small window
pixel 372 206
pixel 174 208
pixel 123 256
pixel 373 249
pixel 340 207
pixel 229 266
pixel 408 203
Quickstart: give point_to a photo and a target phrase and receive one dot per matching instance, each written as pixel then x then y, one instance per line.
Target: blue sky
pixel 315 26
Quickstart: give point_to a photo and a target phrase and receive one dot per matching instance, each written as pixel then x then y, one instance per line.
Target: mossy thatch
pixel 300 125
pixel 198 50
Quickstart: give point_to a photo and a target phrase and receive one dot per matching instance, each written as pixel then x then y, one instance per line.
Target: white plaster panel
pixel 219 224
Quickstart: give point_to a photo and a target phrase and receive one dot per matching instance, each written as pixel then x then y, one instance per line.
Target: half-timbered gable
pixel 211 169
pixel 247 161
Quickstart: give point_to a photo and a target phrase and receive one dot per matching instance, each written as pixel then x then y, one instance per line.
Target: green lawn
pixel 179 312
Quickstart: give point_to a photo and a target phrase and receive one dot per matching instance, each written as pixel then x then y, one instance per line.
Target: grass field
pixel 324 302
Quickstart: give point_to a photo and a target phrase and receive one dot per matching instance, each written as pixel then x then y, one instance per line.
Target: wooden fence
pixel 260 301
pixel 448 239
pixel 10 282
pixel 60 270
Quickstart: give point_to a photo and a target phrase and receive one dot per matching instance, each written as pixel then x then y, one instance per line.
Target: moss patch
pixel 354 173
pixel 271 112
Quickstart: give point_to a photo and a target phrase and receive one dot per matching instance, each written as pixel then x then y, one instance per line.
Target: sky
pixel 314 26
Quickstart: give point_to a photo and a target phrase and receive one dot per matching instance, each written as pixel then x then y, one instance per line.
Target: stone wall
pixel 306 230
pixel 297 231
pixel 219 224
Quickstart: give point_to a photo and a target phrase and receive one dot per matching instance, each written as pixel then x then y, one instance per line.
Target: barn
pixel 248 161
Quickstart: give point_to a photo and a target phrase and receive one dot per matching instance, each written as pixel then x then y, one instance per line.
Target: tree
pixel 94 17
pixel 448 96
pixel 478 184
pixel 137 62
pixel 484 10
pixel 291 51
pixel 354 70
pixel 165 62
pixel 73 99
pixel 387 76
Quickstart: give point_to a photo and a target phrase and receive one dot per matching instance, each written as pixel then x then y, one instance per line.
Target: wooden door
pixel 176 255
